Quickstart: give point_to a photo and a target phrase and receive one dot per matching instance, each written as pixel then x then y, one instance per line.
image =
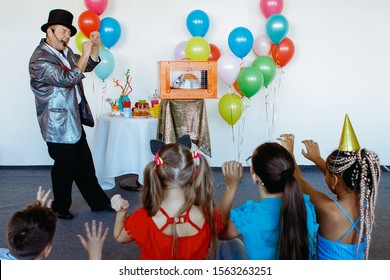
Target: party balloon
pixel 96 6
pixel 198 23
pixel 80 39
pixel 197 49
pixel 89 22
pixel 270 7
pixel 283 53
pixel 110 31
pixel 228 67
pixel 267 67
pixel 106 65
pixel 235 86
pixel 180 53
pixel 250 80
pixel 215 53
pixel 240 41
pixel 230 107
pixel 276 28
pixel 262 45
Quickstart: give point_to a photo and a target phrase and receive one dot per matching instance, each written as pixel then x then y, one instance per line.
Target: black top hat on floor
pixel 61 17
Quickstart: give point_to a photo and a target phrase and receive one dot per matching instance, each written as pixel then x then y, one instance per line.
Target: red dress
pixel 155 245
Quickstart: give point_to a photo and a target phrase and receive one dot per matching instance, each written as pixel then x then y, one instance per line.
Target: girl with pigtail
pixel 282 225
pixel 353 175
pixel 177 219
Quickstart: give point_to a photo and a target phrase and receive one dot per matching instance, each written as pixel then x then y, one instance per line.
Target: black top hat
pixel 61 17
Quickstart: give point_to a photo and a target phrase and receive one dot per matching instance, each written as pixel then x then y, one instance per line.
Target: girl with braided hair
pixel 353 175
pixel 177 219
pixel 282 225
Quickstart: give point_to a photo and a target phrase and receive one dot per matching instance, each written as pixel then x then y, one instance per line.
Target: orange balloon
pixel 89 22
pixel 214 52
pixel 283 52
pixel 235 85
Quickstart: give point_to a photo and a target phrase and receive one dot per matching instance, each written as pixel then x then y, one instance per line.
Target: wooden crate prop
pixel 186 79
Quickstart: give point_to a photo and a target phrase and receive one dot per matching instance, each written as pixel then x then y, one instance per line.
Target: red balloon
pixel 283 52
pixel 214 52
pixel 89 22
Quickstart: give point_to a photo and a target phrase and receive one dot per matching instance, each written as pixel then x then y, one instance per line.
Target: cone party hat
pixel 348 140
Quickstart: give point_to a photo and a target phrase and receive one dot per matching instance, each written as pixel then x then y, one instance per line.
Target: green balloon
pixel 197 49
pixel 267 67
pixel 250 80
pixel 230 107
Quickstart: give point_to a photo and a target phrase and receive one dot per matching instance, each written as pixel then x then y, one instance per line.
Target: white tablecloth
pixel 122 146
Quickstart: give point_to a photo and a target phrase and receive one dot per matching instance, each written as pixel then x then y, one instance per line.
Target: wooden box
pixel 187 79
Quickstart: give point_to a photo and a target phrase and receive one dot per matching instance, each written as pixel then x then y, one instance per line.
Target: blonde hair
pixel 179 167
pixel 361 172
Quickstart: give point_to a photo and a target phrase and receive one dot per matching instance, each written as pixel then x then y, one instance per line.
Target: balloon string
pixel 241 132
pixel 267 113
pixel 276 97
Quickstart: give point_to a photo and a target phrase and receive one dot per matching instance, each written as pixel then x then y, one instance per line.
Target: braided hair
pixel 361 173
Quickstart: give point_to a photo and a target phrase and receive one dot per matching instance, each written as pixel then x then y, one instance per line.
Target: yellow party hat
pixel 348 140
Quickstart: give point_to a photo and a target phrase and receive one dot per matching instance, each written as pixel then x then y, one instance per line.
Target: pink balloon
pixel 96 6
pixel 228 68
pixel 270 7
pixel 262 45
pixel 180 51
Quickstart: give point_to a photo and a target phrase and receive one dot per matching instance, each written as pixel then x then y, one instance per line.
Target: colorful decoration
pixel 110 31
pixel 197 49
pixel 88 22
pixel 231 108
pixel 104 69
pixel 126 89
pixel 270 7
pixel 240 41
pixel 348 139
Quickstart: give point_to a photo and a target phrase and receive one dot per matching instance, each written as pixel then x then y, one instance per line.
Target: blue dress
pixel 258 222
pixel 335 250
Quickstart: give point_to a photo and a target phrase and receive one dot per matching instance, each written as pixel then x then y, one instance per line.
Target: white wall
pixel 340 66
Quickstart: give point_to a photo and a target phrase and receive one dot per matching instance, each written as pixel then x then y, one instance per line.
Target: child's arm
pixel 313 154
pixel 120 206
pixel 316 196
pixel 232 172
pixel 95 240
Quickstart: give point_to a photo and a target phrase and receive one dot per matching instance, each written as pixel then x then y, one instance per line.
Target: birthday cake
pixel 141 109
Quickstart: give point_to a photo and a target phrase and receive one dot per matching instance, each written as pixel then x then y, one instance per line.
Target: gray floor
pixel 18 186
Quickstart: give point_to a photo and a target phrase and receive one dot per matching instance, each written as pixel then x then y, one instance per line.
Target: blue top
pixel 335 250
pixel 5 255
pixel 258 222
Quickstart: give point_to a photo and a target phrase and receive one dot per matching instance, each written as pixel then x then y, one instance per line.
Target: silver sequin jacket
pixel 54 86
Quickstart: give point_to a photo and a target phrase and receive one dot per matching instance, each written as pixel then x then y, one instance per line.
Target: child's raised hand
pixel 232 171
pixel 118 203
pixel 312 150
pixel 95 240
pixel 42 197
pixel 287 141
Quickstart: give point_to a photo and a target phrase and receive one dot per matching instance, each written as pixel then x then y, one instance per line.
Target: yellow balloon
pixel 80 39
pixel 231 108
pixel 197 48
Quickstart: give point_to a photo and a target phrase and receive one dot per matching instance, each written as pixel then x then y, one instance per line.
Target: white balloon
pixel 228 69
pixel 262 45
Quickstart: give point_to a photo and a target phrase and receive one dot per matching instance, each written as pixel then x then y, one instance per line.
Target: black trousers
pixel 74 163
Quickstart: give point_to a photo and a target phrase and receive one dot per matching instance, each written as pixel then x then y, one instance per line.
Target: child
pixel 178 219
pixel 353 175
pixel 282 225
pixel 30 231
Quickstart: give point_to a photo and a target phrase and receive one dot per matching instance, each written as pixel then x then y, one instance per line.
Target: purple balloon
pixel 180 51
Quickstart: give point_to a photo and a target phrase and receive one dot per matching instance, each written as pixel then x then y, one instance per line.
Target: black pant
pixel 73 162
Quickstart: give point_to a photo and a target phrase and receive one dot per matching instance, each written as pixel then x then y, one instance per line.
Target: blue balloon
pixel 106 65
pixel 240 41
pixel 276 28
pixel 198 23
pixel 110 31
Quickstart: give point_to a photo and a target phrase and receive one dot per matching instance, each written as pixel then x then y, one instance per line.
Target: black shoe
pixel 107 208
pixel 64 215
pixel 130 184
